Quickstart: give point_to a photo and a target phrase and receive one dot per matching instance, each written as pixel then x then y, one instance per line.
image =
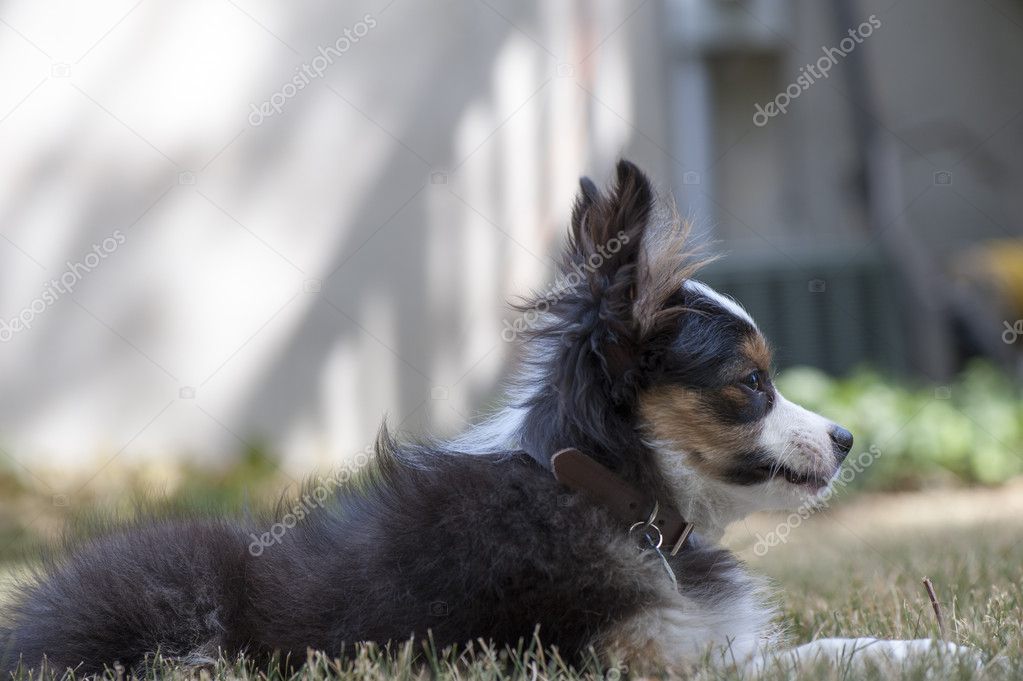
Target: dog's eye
pixel 755 381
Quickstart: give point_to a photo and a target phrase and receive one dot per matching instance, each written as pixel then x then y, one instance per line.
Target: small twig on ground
pixel 937 608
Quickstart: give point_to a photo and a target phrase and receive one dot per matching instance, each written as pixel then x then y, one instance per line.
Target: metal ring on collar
pixel 649 524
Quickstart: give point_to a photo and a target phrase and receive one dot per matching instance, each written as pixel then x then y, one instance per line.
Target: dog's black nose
pixel 843 440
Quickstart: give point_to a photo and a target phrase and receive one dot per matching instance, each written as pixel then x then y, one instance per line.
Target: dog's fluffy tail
pixel 168 586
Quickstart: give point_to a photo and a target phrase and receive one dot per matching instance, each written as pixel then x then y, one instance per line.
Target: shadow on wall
pixel 391 262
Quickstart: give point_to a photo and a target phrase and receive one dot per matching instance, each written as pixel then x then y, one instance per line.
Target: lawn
pixel 853 570
pixel 857 570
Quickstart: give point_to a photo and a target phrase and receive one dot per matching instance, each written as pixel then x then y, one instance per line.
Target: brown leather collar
pixel 580 473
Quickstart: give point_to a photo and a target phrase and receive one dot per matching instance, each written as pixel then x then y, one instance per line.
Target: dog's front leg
pixel 859 651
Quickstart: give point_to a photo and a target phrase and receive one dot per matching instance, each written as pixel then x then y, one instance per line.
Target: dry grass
pixel 852 571
pixel 858 570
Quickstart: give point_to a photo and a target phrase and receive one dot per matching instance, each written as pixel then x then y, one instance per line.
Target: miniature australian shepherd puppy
pixel 651 374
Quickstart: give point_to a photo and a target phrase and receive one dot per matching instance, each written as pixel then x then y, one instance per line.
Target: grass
pixel 854 570
pixel 858 571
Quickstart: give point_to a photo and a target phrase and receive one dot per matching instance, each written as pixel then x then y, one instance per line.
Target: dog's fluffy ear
pixel 631 247
pixel 666 260
pixel 620 269
pixel 611 310
pixel 605 241
pixel 588 196
pixel 599 331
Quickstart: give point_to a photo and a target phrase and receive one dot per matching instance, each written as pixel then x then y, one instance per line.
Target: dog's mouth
pixel 811 480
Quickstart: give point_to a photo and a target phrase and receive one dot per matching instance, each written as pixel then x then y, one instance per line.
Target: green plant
pixel 968 432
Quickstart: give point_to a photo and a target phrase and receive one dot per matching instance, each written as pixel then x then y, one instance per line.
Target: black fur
pixel 462 547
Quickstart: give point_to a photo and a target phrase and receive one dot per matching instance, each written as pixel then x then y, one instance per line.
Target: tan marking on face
pixel 684 418
pixel 755 349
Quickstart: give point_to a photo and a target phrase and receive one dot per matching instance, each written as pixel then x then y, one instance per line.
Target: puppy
pixel 660 386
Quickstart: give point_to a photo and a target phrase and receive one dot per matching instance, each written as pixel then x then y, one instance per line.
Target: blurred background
pixel 235 234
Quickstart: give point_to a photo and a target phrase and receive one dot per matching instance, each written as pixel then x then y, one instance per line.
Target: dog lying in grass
pixel 642 421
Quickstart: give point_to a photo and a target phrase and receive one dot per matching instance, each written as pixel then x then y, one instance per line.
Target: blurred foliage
pixel 968 432
pixel 33 517
pixel 254 472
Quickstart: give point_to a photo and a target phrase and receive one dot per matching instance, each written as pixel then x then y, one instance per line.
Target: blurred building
pixel 848 212
pixel 243 224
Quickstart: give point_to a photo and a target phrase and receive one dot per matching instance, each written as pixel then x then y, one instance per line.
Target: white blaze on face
pixel 727 304
pixel 798 438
